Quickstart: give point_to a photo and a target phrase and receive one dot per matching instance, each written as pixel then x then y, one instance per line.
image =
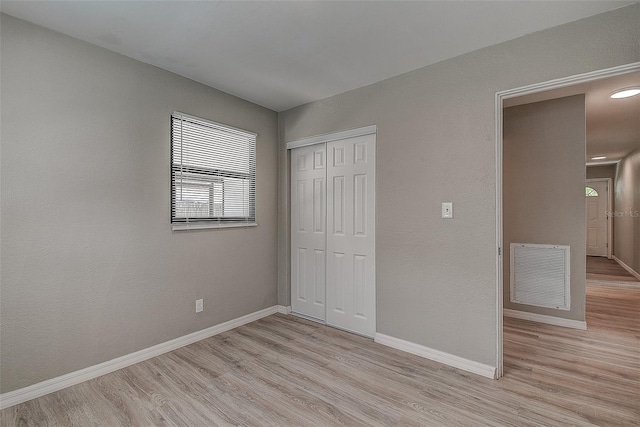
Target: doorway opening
pixel 599 211
pixel 565 87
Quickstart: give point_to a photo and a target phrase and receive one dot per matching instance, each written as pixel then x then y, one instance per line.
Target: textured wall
pixel 90 268
pixel 436 279
pixel 543 189
pixel 604 171
pixel 626 221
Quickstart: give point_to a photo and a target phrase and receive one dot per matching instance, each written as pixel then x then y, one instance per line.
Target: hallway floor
pixel 601 268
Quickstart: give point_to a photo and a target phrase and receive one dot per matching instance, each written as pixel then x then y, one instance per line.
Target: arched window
pixel 590 192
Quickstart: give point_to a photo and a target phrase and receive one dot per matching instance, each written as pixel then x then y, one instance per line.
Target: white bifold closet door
pixel 308 230
pixel 333 233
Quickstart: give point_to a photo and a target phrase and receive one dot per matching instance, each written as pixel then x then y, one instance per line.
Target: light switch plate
pixel 447 210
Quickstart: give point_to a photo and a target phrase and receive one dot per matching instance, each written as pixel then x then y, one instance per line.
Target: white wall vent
pixel 540 275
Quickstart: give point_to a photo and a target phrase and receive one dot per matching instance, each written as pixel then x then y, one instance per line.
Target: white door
pixel 308 224
pixel 351 300
pixel 597 199
pixel 333 233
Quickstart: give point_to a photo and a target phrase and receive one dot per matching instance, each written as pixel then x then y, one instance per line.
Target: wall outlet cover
pixel 447 210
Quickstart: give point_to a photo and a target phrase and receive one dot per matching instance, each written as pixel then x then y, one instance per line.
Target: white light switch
pixel 447 210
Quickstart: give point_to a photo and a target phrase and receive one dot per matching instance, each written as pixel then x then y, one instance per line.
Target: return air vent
pixel 540 275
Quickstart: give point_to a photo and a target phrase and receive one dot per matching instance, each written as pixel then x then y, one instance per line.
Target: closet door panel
pixel 351 234
pixel 308 231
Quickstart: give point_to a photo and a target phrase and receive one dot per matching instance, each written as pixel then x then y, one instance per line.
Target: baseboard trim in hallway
pixel 437 356
pixel 58 383
pixel 626 267
pixel 549 320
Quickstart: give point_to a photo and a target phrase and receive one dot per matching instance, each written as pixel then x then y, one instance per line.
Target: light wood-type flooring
pixel 286 371
pixel 601 268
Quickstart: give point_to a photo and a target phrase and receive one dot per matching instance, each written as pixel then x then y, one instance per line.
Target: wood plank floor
pixel 286 371
pixel 601 268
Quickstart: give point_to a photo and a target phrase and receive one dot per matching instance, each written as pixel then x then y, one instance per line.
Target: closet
pixel 333 229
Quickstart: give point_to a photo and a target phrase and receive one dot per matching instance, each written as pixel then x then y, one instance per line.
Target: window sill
pixel 200 226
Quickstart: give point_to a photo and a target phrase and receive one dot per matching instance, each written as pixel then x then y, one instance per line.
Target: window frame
pixel 592 193
pixel 216 175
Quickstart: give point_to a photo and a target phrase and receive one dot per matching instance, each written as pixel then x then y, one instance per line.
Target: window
pixel 591 192
pixel 213 174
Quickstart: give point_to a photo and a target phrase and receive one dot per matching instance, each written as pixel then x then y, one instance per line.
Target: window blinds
pixel 213 173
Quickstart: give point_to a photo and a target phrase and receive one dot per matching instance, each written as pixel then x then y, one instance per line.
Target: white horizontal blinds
pixel 213 170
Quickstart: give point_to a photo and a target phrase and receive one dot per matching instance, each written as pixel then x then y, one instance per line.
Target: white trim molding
pixel 549 320
pixel 437 356
pixel 333 136
pixel 58 383
pixel 201 226
pixel 626 267
pixel 571 80
pixel 605 163
pixel 284 309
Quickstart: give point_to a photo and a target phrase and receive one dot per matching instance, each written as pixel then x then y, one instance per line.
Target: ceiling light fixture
pixel 626 92
pixel 599 158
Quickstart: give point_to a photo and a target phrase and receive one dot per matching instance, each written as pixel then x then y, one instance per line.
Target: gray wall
pixel 90 268
pixel 543 189
pixel 626 222
pixel 436 279
pixel 604 171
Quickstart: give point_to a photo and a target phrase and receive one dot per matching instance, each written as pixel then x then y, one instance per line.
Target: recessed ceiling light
pixel 625 93
pixel 599 158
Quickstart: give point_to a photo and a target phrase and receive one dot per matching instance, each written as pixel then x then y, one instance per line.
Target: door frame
pixel 332 136
pixel 325 139
pixel 609 182
pixel 499 98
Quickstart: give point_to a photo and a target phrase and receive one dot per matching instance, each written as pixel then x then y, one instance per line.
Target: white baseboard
pixel 437 355
pixel 549 320
pixel 626 267
pixel 284 309
pixel 58 383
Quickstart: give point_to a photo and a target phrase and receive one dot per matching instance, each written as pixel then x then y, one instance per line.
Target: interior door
pixel 308 224
pixel 597 227
pixel 351 301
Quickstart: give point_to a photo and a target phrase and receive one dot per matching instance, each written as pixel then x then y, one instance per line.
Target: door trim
pixel 334 136
pixel 499 98
pixel 609 209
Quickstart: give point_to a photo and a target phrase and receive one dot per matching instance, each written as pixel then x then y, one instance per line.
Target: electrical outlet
pixel 199 305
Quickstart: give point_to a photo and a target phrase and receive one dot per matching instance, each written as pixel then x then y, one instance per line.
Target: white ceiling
pixel 284 54
pixel 613 125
